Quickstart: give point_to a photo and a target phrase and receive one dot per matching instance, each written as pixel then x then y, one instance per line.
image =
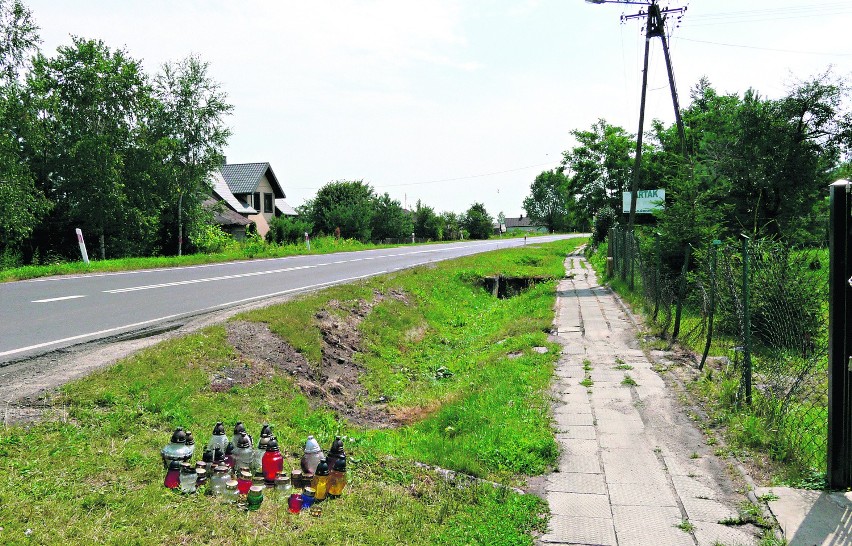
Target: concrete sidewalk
pixel 634 469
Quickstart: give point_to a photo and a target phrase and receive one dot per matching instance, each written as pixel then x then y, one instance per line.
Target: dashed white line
pixel 169 317
pixel 207 279
pixel 48 300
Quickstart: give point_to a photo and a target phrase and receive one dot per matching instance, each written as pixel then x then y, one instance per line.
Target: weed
pixel 748 513
pixel 624 367
pixel 587 382
pixel 686 526
pixel 768 497
pixel 628 381
pixel 695 455
pixel 587 365
pixel 619 361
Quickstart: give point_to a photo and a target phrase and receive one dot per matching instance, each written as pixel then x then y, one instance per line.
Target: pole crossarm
pixel 655 27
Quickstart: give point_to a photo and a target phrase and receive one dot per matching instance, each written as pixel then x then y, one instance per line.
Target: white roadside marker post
pixel 82 246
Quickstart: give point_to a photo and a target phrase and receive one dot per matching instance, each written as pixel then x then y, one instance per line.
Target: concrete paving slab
pixel 622 440
pixel 637 494
pixel 582 432
pixel 587 464
pixel 687 487
pixel 573 419
pixel 707 510
pixel 575 482
pixel 645 526
pixel 587 448
pixel 579 530
pixel 713 534
pixel 579 505
pixel 811 517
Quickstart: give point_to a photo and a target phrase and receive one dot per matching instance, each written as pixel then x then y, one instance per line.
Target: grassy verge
pixel 90 471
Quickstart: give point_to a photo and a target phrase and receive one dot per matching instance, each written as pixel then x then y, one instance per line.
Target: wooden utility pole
pixel 654 28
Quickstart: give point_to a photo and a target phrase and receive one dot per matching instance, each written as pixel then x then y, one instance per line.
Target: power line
pixel 449 179
pixel 828 54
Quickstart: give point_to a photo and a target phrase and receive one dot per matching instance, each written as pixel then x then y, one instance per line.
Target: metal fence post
pixel 839 444
pixel 681 292
pixel 631 256
pixel 657 279
pixel 746 325
pixel 713 246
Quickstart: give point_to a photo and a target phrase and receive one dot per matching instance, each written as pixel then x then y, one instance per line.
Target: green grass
pixel 90 472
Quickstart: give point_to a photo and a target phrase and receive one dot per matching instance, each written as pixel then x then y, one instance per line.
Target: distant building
pixel 257 193
pixel 523 224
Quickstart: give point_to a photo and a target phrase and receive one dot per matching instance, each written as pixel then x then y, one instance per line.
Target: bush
pixel 285 229
pixel 605 220
pixel 209 238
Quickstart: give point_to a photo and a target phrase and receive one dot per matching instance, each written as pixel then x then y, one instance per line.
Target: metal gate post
pixel 839 463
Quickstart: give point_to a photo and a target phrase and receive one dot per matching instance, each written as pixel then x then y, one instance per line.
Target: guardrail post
pixel 839 463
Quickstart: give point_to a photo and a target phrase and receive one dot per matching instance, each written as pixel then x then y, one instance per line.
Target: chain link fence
pixel 756 315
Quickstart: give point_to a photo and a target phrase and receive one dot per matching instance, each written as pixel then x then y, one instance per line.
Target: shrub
pixel 285 229
pixel 605 220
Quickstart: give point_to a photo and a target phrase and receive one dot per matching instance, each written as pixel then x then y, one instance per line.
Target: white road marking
pixel 208 279
pixel 48 300
pixel 169 317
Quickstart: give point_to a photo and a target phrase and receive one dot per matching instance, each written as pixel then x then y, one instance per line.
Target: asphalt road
pixel 42 315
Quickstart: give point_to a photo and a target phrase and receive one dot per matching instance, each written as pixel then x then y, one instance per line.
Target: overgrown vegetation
pixel 95 456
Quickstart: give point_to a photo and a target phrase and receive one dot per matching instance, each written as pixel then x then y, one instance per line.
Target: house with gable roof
pixel 255 187
pixel 229 213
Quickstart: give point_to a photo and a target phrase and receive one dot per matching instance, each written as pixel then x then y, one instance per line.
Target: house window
pixel 256 204
pixel 267 202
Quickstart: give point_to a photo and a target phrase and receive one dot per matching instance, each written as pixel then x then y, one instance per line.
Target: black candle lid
pixel 179 436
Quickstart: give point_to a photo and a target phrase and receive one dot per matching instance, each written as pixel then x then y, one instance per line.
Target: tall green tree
pixel 550 201
pixel 22 204
pixel 88 99
pixel 18 37
pixel 190 119
pixel 347 205
pixel 427 224
pixel 390 220
pixel 478 222
pixel 451 225
pixel 599 167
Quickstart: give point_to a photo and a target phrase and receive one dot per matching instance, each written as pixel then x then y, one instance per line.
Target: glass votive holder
pixel 308 498
pixel 294 503
pixel 255 497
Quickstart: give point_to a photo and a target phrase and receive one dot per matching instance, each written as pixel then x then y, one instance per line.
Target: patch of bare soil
pixel 334 382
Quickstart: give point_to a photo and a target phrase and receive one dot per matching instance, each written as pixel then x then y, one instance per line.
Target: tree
pixel 90 101
pixel 190 120
pixel 450 225
pixel 22 205
pixel 344 204
pixel 600 167
pixel 478 222
pixel 390 220
pixel 18 36
pixel 427 224
pixel 550 201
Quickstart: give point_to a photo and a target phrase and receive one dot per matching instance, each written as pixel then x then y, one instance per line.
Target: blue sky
pixel 447 101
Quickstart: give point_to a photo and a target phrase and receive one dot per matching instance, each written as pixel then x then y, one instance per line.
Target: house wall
pixel 262 219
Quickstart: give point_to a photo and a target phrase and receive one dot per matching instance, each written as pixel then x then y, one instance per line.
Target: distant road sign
pixel 647 201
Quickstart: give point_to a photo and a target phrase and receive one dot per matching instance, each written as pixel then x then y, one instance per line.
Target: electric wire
pixel 824 53
pixel 482 175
